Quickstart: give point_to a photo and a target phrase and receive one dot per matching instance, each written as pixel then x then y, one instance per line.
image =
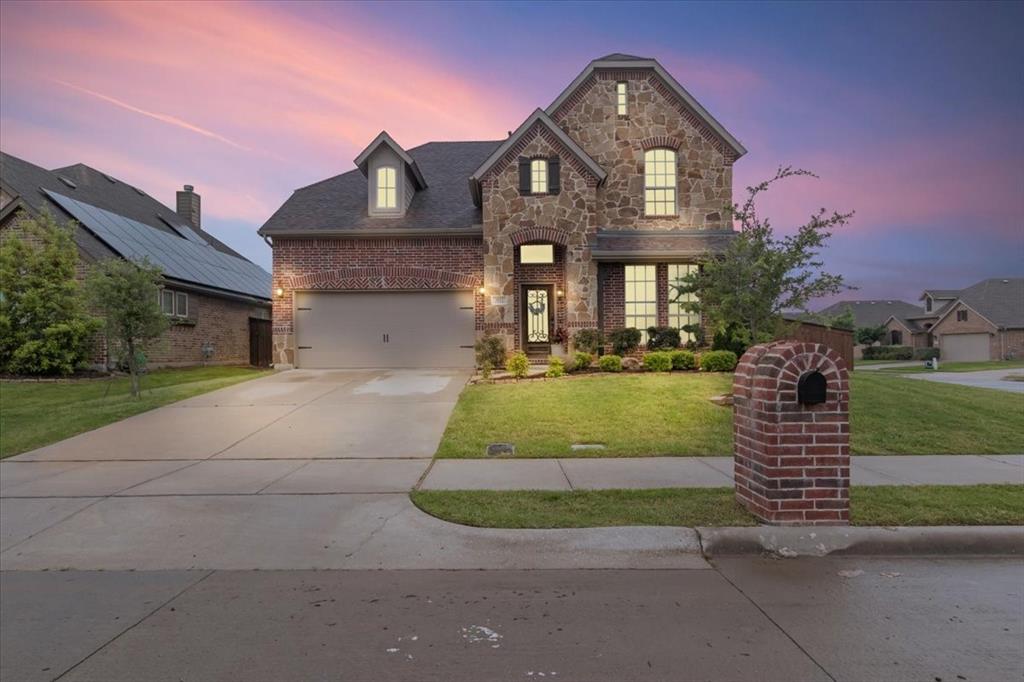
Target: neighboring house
pixel 218 302
pixel 872 313
pixel 982 322
pixel 582 218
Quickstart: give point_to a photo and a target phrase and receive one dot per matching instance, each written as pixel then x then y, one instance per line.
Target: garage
pixel 401 329
pixel 965 347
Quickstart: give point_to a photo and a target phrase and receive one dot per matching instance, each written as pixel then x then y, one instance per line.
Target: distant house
pixel 218 301
pixel 872 313
pixel 985 321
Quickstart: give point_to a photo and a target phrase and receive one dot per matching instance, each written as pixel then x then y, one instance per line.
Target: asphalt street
pixel 747 618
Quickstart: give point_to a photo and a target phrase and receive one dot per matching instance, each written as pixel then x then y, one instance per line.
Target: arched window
pixel 660 182
pixel 387 187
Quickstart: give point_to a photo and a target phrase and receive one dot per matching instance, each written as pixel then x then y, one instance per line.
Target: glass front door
pixel 537 313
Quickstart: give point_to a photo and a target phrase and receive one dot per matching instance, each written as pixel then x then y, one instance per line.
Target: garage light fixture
pixel 560 293
pixel 279 292
pixel 482 290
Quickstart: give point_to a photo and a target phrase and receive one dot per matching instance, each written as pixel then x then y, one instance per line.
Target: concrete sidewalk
pixel 704 472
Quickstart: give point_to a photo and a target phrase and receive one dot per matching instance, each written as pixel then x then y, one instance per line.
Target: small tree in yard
pixel 760 274
pixel 869 336
pixel 44 326
pixel 127 296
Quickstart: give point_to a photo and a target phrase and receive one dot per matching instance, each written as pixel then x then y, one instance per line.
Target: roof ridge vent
pixel 67 181
pixel 112 180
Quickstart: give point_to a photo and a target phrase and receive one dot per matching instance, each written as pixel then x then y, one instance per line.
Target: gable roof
pixel 541 118
pixel 27 182
pixel 625 61
pixel 943 294
pixel 338 204
pixel 1000 300
pixel 874 312
pixel 383 138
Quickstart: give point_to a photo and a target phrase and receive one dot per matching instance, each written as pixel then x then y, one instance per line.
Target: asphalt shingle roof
pixel 873 313
pixel 339 203
pixel 1001 300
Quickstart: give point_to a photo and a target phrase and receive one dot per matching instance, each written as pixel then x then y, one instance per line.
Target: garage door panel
pixel 965 347
pixel 385 329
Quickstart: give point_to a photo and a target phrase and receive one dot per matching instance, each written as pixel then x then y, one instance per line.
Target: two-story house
pixel 582 218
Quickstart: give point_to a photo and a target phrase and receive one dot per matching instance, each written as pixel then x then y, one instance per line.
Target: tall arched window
pixel 387 187
pixel 660 182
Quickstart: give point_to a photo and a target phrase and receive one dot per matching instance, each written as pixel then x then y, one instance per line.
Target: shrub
pixel 658 361
pixel 589 340
pixel 556 367
pixel 485 370
pixel 624 341
pixel 582 361
pixel 926 353
pixel 869 335
pixel 718 361
pixel 732 338
pixel 662 338
pixel 517 364
pixel 490 350
pixel 610 363
pixel 683 359
pixel 696 333
pixel 888 353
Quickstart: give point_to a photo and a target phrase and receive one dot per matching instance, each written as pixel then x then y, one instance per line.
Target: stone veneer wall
pixel 566 219
pixel 656 119
pixel 353 264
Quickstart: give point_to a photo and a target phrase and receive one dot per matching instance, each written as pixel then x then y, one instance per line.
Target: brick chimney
pixel 188 206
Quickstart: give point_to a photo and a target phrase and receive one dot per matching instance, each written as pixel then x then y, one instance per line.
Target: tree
pixel 868 336
pixel 127 295
pixel 759 275
pixel 44 326
pixel 844 320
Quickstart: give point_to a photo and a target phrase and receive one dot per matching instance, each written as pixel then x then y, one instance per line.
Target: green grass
pixel 36 413
pixel 959 366
pixel 933 505
pixel 861 363
pixel 670 414
pixel 585 508
pixel 632 415
pixel 894 416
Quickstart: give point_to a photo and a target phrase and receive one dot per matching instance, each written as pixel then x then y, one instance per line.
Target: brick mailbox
pixel 791 434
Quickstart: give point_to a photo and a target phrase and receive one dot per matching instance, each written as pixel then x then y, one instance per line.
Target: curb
pixel 821 541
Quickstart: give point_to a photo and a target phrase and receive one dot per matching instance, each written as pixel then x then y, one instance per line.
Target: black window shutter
pixel 554 177
pixel 524 175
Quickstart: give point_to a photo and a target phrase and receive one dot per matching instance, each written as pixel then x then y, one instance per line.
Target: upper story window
pixel 387 187
pixel 961 316
pixel 537 253
pixel 174 303
pixel 620 98
pixel 539 176
pixel 928 304
pixel 660 182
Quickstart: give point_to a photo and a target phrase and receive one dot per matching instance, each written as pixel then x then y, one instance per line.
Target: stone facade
pixel 353 264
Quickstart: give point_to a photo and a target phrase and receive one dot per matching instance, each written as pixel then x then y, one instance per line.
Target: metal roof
pixel 181 259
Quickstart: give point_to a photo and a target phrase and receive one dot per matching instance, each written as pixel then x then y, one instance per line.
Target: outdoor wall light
pixel 279 292
pixel 482 290
pixel 560 293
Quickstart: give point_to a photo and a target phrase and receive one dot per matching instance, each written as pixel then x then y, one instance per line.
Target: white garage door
pixel 421 329
pixel 964 347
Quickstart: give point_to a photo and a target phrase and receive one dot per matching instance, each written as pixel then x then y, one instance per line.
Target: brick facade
pixel 791 461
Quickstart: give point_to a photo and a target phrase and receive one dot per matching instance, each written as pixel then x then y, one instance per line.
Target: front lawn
pixel 636 415
pixel 959 366
pixel 931 505
pixel 36 413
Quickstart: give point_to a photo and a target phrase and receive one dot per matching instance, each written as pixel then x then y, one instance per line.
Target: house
pixel 582 218
pixel 871 313
pixel 985 321
pixel 217 300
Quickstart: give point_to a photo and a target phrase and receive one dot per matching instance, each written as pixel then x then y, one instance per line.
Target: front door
pixel 537 319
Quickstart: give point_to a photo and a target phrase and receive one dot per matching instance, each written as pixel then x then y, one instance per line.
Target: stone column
pixel 791 442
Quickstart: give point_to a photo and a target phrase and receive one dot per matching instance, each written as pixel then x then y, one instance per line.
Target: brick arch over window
pixel 661 142
pixel 525 235
pixel 391 277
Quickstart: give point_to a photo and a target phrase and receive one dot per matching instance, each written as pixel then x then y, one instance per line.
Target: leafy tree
pixel 44 326
pixel 844 320
pixel 127 295
pixel 867 336
pixel 761 274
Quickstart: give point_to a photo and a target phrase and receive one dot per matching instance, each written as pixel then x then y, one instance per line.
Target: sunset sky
pixel 911 114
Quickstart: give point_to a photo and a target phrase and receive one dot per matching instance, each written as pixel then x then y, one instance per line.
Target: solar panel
pixel 184 230
pixel 185 259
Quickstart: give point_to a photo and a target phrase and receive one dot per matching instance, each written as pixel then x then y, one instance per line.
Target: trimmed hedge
pixel 582 361
pixel 490 351
pixel 624 341
pixel 718 361
pixel 517 364
pixel 888 353
pixel 610 363
pixel 662 338
pixel 556 367
pixel 683 359
pixel 926 353
pixel 588 340
pixel 658 361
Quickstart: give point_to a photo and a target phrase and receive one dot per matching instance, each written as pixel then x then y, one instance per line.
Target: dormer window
pixel 928 304
pixel 387 188
pixel 620 99
pixel 539 176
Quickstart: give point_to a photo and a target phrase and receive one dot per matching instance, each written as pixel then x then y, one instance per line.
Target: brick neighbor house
pixel 581 218
pixel 871 313
pixel 985 321
pixel 218 301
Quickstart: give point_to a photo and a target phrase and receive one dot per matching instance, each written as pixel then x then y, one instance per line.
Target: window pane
pixel 660 182
pixel 539 176
pixel 537 253
pixel 641 299
pixel 181 304
pixel 620 98
pixel 386 188
pixel 167 302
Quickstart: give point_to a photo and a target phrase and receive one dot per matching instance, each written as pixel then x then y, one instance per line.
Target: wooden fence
pixel 841 340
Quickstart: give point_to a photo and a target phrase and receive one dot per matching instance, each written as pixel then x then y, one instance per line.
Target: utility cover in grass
pixel 496 449
pixel 587 446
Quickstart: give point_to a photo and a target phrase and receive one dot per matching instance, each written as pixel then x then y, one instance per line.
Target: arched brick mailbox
pixel 791 434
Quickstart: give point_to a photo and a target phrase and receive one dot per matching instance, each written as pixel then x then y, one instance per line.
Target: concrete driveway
pixel 989 378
